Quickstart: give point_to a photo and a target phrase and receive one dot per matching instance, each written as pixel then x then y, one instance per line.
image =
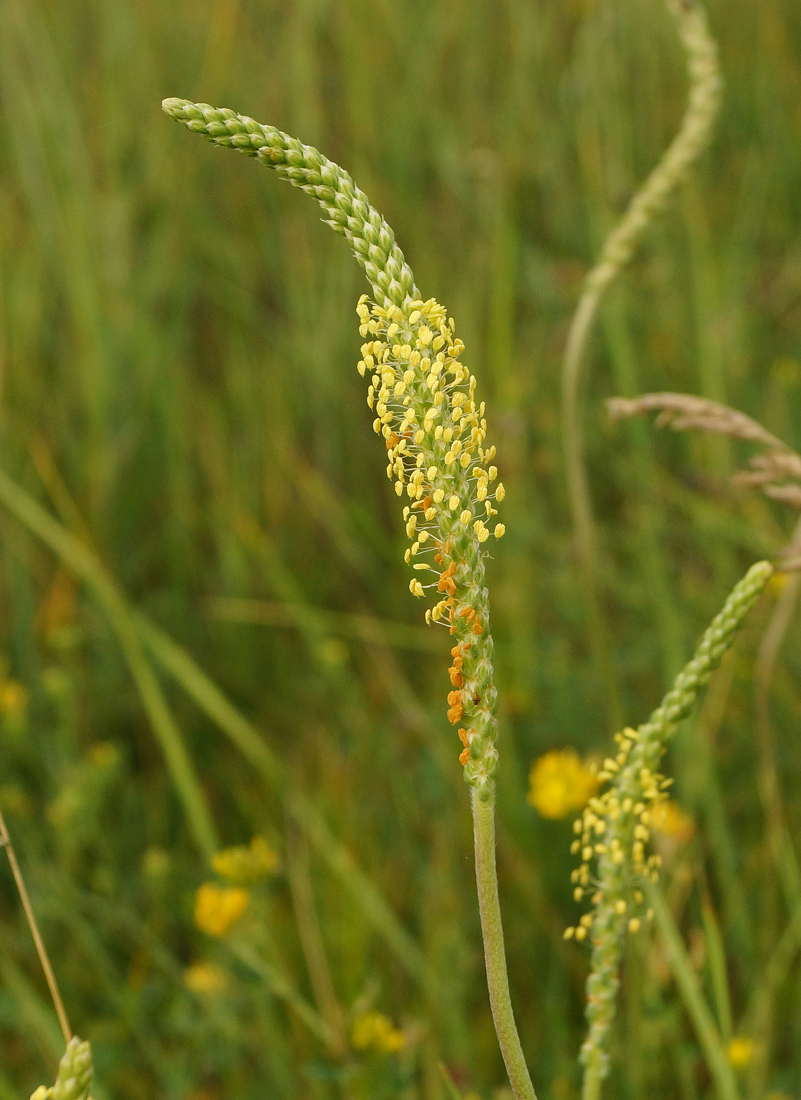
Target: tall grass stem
pixel 30 916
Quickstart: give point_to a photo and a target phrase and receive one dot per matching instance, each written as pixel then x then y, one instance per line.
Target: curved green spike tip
pixel 347 209
pixel 174 107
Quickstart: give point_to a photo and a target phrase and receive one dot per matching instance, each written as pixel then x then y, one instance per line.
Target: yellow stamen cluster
pixel 615 828
pixel 424 402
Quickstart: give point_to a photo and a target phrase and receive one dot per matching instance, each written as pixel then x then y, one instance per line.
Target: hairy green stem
pixel 494 954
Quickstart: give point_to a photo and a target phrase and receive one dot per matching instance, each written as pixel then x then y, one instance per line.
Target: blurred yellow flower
pixel 13 698
pixel 740 1052
pixel 559 783
pixel 204 978
pixel 246 863
pixel 373 1030
pixel 218 907
pixel 670 820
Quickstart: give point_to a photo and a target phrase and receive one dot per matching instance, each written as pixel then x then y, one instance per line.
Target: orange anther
pixel 477 627
pixel 464 756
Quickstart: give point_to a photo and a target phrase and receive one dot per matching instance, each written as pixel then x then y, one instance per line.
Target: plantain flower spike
pixel 613 833
pixel 75 1074
pixel 425 409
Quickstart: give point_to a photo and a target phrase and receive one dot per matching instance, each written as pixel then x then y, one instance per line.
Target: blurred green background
pixel 178 343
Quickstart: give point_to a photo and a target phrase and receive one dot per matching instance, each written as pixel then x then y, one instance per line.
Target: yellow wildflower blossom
pixel 204 978
pixel 246 863
pixel 740 1051
pixel 374 1031
pixel 559 783
pixel 218 907
pixel 669 820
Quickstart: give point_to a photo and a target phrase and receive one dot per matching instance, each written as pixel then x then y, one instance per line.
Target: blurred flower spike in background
pixel 560 783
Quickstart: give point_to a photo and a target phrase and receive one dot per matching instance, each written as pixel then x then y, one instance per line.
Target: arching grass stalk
pixel 692 138
pixel 614 831
pixel 425 409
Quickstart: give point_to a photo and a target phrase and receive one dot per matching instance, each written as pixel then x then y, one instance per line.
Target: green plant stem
pixel 494 954
pixel 690 990
pixel 30 916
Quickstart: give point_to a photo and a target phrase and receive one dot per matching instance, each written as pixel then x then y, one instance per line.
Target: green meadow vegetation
pixel 227 776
